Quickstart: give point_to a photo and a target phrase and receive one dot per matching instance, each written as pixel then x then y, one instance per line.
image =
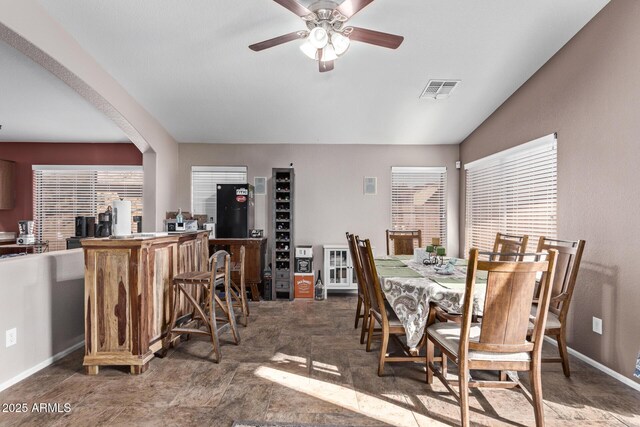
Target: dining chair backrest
pixel 371 278
pixel 220 263
pixel 508 247
pixel 241 265
pixel 357 266
pixel 567 266
pixel 509 294
pixel 403 242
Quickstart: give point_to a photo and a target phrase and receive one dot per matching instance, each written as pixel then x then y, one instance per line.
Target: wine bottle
pixel 319 288
pixel 179 220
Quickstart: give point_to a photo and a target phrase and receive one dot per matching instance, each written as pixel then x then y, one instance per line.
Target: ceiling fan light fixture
pixel 329 53
pixel 318 37
pixel 308 49
pixel 340 43
pixel 327 35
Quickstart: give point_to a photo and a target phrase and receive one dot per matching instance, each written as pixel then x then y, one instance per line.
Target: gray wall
pixel 590 94
pixel 43 297
pixel 329 185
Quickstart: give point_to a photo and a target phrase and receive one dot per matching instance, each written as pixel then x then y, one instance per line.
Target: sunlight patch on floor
pixel 325 367
pixel 285 358
pixel 362 403
pixel 400 398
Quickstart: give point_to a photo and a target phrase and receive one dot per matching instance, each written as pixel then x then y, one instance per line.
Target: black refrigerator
pixel 234 210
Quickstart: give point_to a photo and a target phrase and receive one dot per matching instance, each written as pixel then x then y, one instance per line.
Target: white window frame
pixel 428 231
pixel 54 213
pixel 210 205
pixel 505 207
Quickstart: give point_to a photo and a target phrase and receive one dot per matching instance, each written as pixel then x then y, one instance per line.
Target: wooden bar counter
pixel 128 294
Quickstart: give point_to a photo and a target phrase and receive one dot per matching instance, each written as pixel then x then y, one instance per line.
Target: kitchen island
pixel 128 294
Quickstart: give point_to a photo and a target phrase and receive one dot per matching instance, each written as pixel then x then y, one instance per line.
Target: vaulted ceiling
pixel 37 106
pixel 188 64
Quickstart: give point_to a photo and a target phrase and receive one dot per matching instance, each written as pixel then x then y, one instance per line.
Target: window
pixel 513 192
pixel 203 186
pixel 60 193
pixel 418 201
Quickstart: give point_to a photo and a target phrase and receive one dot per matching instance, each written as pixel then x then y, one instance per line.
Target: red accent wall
pixel 26 154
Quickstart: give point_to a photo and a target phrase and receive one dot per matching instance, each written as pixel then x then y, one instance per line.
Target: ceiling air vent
pixel 439 89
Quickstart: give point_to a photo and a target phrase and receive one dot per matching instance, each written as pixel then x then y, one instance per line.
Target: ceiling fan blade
pixel 377 38
pixel 325 66
pixel 278 40
pixel 294 7
pixel 350 7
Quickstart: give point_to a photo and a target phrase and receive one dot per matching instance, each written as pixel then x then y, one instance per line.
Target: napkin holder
pixel 419 255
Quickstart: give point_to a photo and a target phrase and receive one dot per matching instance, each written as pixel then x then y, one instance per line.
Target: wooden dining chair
pixel 381 312
pixel 500 342
pixel 363 305
pixel 508 247
pixel 218 277
pixel 239 290
pixel 564 282
pixel 402 242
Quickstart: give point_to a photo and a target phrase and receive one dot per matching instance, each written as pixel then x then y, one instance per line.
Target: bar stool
pixel 218 277
pixel 239 291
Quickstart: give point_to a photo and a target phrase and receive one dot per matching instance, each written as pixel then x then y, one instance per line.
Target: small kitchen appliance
pixel 85 226
pixel 190 225
pixel 172 225
pixel 81 226
pixel 104 223
pixel 26 236
pixel 121 217
pixel 137 220
pixel 211 228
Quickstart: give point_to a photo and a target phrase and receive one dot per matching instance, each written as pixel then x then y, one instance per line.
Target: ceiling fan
pixel 327 35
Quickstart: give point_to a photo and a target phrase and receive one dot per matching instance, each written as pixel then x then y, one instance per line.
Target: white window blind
pixel 418 201
pixel 60 193
pixel 203 186
pixel 513 192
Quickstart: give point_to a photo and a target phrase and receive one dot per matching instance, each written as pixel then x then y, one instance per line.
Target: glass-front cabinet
pixel 338 271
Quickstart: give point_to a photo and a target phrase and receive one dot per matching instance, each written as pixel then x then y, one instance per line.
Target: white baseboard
pixel 60 355
pixel 627 381
pixel 42 364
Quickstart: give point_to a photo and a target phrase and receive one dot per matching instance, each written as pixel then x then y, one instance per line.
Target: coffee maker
pixel 26 236
pixel 103 229
pixel 85 226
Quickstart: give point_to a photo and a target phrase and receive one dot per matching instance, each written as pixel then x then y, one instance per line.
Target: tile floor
pixel 301 362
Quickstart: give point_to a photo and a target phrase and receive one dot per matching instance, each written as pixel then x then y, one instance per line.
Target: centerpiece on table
pixel 435 253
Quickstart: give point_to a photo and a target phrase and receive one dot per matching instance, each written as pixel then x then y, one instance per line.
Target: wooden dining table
pixel 411 287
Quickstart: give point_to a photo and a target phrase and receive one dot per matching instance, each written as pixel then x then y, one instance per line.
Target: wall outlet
pixel 11 337
pixel 597 325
